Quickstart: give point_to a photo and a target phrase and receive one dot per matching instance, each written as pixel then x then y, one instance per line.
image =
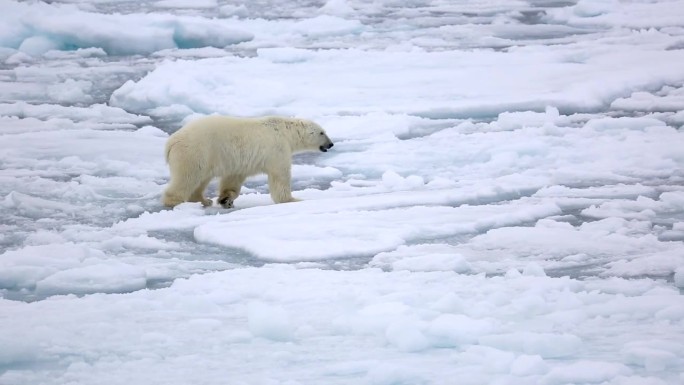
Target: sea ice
pixel 503 204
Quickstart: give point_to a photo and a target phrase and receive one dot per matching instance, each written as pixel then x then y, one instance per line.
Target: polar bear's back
pixel 223 144
pixel 218 129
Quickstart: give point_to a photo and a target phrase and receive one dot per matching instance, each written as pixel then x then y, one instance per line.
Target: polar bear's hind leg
pixel 175 194
pixel 198 194
pixel 229 190
pixel 186 183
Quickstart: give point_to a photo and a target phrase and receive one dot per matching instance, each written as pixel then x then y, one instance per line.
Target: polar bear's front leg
pixel 229 190
pixel 279 186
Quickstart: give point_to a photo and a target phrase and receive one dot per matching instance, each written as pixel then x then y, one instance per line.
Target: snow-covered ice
pixel 504 203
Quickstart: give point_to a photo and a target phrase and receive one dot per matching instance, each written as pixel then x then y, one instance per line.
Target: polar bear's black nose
pixel 326 146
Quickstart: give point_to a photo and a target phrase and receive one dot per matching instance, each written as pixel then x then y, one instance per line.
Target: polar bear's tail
pixel 167 149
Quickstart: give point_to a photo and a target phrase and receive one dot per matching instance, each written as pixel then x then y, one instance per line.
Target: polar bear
pixel 233 149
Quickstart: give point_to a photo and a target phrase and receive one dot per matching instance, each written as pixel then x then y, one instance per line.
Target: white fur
pixel 233 149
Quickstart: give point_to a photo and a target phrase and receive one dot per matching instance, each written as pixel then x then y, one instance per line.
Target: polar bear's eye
pixel 320 133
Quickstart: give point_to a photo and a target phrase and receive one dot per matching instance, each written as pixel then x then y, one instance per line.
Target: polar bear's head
pixel 316 137
pixel 303 134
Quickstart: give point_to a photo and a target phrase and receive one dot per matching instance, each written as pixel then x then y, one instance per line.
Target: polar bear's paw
pixel 226 202
pixel 226 198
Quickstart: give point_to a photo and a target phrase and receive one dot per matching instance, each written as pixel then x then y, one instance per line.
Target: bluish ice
pixel 504 203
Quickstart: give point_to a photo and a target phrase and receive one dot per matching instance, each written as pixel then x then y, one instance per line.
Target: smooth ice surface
pixel 504 203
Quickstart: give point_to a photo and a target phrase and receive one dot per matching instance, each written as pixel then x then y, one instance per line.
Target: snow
pixel 679 277
pixel 270 322
pixel 503 204
pixel 37 28
pixel 262 317
pixel 532 80
pixel 186 4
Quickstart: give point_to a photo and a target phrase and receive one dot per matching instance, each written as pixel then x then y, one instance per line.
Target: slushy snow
pixel 503 204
